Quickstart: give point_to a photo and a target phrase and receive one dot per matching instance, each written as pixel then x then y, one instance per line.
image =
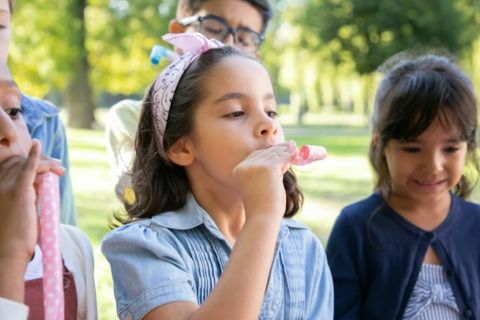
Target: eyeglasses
pixel 217 28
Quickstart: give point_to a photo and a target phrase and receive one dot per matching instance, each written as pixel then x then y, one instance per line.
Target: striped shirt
pixel 180 256
pixel 432 297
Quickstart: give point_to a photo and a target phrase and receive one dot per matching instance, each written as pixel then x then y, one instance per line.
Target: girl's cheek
pixel 281 134
pixel 25 141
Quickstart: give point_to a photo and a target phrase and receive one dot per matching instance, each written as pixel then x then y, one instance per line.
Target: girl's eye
pixel 411 149
pixel 451 149
pixel 14 113
pixel 235 114
pixel 272 114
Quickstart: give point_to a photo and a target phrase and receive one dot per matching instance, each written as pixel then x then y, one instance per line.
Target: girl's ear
pixel 175 27
pixel 181 153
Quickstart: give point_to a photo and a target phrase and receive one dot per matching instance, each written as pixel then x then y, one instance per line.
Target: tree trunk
pixel 301 113
pixel 78 94
pixel 368 94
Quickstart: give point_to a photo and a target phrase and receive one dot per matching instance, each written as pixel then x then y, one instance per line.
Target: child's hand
pixel 18 176
pixel 260 179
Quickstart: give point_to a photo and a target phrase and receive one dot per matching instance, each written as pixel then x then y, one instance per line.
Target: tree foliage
pixel 119 36
pixel 45 44
pixel 369 31
pixel 320 53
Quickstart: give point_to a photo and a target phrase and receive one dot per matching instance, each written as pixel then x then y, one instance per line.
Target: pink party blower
pixel 49 209
pixel 308 154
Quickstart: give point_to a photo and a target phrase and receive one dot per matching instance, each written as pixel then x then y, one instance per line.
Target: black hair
pixel 11 5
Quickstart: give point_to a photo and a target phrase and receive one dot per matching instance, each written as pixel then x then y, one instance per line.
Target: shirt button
pixel 128 316
pixel 468 314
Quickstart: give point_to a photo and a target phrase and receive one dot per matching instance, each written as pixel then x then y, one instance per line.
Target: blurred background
pixel 323 56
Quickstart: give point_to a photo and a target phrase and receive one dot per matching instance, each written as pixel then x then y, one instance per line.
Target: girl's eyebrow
pixel 454 140
pixel 415 140
pixel 239 96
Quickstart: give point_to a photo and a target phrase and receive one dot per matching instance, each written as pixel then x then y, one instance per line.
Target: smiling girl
pixel 411 249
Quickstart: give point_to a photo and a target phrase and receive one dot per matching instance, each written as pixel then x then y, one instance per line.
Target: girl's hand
pixel 260 180
pixel 18 213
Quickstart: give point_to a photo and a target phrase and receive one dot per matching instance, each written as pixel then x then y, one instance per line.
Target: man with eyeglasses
pixel 240 23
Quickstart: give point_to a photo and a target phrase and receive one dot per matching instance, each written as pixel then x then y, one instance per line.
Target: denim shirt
pixel 180 256
pixel 44 124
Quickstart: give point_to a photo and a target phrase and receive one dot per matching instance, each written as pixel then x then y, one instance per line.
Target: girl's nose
pixel 433 162
pixel 267 126
pixel 8 134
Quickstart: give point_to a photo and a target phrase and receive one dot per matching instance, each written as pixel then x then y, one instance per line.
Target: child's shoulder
pixel 127 230
pixel 163 225
pixel 362 209
pixel 144 231
pixel 73 234
pixel 75 241
pixel 468 208
pixel 77 251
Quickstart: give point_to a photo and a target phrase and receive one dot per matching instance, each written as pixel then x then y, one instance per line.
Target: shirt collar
pixel 188 217
pixel 192 215
pixel 34 111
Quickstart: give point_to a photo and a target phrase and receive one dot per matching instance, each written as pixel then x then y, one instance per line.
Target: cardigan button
pixel 430 235
pixel 468 314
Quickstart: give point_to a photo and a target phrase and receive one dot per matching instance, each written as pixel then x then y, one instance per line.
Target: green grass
pixel 95 204
pixel 340 179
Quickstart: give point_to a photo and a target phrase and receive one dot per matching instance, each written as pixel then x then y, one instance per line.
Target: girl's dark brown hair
pixel 11 5
pixel 409 98
pixel 160 185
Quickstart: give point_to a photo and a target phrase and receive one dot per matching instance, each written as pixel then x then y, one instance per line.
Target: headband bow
pixel 192 46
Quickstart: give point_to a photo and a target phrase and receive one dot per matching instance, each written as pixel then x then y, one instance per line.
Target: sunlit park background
pixel 323 55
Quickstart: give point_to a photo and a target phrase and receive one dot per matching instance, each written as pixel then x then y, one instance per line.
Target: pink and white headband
pixel 192 46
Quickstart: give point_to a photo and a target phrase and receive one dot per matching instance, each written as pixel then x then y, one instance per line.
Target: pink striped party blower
pixel 49 210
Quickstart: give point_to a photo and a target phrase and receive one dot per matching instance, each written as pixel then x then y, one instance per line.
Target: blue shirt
pixel 376 256
pixel 44 124
pixel 180 256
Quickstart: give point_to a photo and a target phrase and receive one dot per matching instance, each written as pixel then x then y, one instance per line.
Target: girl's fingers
pixel 49 164
pixel 281 152
pixel 31 164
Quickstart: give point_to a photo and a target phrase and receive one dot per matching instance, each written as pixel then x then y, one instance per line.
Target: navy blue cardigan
pixel 375 256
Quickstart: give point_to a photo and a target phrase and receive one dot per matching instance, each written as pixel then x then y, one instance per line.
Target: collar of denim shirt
pixel 192 215
pixel 34 111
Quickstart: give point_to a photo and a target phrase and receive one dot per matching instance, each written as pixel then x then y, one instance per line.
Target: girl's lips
pixel 429 183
